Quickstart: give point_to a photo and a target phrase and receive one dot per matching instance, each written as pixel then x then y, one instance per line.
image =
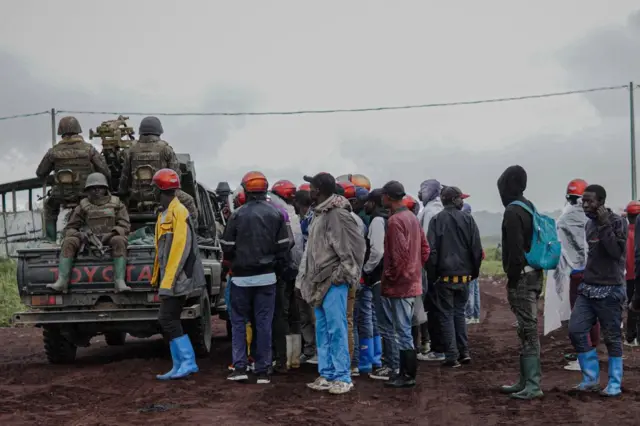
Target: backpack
pixel 545 246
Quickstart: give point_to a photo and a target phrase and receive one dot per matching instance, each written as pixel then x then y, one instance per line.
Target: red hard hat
pixel 576 187
pixel 409 202
pixel 166 179
pixel 304 187
pixel 633 208
pixel 349 189
pixel 255 182
pixel 285 189
pixel 239 199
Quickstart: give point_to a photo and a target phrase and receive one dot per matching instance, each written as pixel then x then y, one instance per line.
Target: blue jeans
pixel 255 304
pixel 398 313
pixel 453 300
pixel 608 311
pixel 331 335
pixel 473 305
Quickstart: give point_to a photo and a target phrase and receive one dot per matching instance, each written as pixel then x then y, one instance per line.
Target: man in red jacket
pixel 633 318
pixel 405 252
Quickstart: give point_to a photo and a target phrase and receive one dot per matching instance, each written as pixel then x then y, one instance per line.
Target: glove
pixel 603 215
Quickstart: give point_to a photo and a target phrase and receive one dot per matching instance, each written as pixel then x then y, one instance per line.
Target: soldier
pixel 106 217
pixel 188 201
pixel 150 151
pixel 72 154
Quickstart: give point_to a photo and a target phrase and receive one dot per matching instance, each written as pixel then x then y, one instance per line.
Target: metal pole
pixel 633 144
pixel 53 127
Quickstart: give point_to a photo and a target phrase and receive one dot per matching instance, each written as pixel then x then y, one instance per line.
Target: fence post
pixel 53 127
pixel 633 143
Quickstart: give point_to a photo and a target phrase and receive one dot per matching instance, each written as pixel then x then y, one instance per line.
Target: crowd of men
pixel 355 279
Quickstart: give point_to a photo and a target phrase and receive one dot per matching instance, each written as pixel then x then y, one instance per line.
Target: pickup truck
pixel 92 308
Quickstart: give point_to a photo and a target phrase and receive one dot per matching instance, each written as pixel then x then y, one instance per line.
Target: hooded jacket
pixel 430 196
pixel 334 253
pixel 517 223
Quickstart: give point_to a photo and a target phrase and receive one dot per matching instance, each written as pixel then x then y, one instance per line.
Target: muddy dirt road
pixel 116 386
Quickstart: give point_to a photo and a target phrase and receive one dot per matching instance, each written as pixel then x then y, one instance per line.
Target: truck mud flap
pixel 99 316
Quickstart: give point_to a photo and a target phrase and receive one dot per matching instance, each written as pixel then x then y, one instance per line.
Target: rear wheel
pixel 199 329
pixel 115 338
pixel 57 348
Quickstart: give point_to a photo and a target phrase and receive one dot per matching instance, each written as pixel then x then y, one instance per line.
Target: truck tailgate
pixel 39 266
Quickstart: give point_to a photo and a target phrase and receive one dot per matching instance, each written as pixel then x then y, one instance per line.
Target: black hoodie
pixel 517 223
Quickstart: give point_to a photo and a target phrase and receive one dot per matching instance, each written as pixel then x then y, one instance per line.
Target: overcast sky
pixel 197 55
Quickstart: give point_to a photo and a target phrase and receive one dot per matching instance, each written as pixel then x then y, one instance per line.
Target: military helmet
pixel 151 126
pixel 96 179
pixel 69 126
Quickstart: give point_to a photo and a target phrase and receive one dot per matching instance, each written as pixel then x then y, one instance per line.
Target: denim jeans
pixel 473 305
pixel 607 311
pixel 398 311
pixel 332 335
pixel 366 313
pixel 453 301
pixel 254 304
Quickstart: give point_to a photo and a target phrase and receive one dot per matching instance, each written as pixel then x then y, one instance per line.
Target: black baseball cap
pixel 324 182
pixel 394 189
pixel 375 196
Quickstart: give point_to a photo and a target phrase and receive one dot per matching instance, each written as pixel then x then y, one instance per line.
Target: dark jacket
pixel 255 240
pixel 517 223
pixel 455 245
pixel 405 252
pixel 607 251
pixel 375 275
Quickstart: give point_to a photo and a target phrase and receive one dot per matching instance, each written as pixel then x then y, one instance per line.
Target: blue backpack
pixel 545 246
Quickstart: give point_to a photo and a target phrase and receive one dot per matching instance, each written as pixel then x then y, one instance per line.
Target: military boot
pixel 532 376
pixel 51 231
pixel 119 272
pixel 64 271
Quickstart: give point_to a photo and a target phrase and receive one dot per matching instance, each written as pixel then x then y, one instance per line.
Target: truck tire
pixel 199 329
pixel 57 348
pixel 115 338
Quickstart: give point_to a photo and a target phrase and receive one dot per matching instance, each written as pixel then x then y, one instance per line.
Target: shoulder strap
pixel 524 206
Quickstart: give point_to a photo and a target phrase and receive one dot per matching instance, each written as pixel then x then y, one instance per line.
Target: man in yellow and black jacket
pixel 177 271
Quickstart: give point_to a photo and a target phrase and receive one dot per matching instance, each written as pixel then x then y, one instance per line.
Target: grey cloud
pixel 23 93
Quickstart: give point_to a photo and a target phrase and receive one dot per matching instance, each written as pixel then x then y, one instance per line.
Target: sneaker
pixel 238 376
pixel 383 373
pixel 263 379
pixel 633 344
pixel 338 388
pixel 572 366
pixel 431 356
pixel 469 321
pixel 465 359
pixel 304 359
pixel 571 357
pixel 476 321
pixel 425 348
pixel 355 372
pixel 452 363
pixel 320 384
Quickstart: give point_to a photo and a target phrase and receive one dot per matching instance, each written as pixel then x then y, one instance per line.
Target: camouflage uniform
pixel 105 217
pixel 151 151
pixel 188 201
pixel 70 153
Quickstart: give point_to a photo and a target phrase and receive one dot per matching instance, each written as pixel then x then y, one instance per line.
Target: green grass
pixel 9 298
pixel 492 264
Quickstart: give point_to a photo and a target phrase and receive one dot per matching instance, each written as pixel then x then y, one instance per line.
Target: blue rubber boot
pixel 366 356
pixel 590 368
pixel 187 357
pixel 175 356
pixel 615 377
pixel 377 352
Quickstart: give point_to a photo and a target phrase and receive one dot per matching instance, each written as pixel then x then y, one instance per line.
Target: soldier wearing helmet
pixel 177 271
pixel 256 244
pixel 72 160
pixel 104 216
pixel 144 159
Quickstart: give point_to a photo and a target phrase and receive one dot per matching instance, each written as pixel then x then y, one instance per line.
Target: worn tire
pixel 199 330
pixel 57 348
pixel 115 338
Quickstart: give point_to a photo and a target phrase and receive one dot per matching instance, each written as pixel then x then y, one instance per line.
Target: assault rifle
pixel 93 244
pixel 116 137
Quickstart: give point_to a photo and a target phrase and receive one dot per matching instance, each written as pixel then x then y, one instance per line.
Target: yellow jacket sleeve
pixel 156 264
pixel 180 227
